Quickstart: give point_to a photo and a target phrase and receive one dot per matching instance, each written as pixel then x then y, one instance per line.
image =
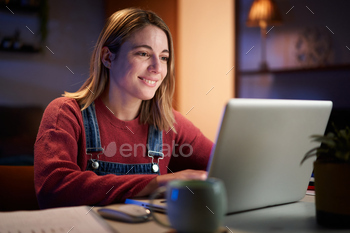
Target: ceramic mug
pixel 194 205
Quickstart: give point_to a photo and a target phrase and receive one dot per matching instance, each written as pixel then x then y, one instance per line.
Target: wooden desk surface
pixel 294 217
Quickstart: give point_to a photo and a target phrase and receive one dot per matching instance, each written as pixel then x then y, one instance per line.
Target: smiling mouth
pixel 148 81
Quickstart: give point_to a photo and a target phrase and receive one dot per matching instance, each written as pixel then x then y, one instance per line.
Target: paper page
pixel 58 220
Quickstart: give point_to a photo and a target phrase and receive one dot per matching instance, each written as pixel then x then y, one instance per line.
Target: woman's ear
pixel 106 57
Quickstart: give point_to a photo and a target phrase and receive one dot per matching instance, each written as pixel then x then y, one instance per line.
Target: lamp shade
pixel 263 13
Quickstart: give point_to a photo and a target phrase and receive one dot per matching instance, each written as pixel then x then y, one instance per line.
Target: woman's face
pixel 141 64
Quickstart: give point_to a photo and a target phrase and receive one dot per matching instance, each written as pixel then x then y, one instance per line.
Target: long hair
pixel 119 27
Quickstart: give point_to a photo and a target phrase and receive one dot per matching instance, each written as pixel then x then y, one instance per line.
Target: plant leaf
pixel 309 154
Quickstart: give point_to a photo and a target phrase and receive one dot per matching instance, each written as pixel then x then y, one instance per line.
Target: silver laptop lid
pixel 259 147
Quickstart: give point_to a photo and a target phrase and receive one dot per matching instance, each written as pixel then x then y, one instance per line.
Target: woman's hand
pixel 164 179
pixel 182 175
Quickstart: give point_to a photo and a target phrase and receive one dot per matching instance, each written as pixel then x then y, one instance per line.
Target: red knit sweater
pixel 60 161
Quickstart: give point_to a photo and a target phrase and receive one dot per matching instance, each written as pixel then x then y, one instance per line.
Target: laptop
pixel 258 149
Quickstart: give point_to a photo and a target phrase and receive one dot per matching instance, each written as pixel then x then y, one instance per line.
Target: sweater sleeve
pixel 192 149
pixel 60 176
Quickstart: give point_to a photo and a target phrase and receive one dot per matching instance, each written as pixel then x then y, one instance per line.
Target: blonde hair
pixel 119 27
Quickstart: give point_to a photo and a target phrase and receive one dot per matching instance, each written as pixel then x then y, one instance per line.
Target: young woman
pixel 118 137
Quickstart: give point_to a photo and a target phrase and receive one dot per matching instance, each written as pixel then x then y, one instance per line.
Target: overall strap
pixel 155 146
pixel 93 141
pixel 155 141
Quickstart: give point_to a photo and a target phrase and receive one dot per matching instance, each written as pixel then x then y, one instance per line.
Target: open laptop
pixel 258 150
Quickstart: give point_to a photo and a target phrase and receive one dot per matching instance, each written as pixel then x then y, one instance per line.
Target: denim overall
pixel 93 145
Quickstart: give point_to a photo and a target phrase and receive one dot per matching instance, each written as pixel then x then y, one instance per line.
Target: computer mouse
pixel 126 213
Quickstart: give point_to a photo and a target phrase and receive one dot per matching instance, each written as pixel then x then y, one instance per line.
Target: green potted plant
pixel 332 178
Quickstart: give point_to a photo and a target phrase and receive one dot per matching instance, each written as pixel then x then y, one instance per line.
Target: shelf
pixel 23 50
pixel 16 8
pixel 297 70
pixel 32 9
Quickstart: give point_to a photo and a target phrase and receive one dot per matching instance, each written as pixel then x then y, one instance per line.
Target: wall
pixel 36 79
pixel 326 77
pixel 298 16
pixel 206 57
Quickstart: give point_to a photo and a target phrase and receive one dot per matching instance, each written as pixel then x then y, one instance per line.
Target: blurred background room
pixel 219 54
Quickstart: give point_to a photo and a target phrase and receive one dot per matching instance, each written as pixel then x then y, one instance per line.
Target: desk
pixel 294 217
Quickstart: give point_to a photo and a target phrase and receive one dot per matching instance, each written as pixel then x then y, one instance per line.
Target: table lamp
pixel 263 13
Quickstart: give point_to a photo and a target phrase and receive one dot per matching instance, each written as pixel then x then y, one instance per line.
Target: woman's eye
pixel 165 59
pixel 143 54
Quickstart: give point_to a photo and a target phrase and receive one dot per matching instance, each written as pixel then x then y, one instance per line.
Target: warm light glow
pixel 263 13
pixel 205 61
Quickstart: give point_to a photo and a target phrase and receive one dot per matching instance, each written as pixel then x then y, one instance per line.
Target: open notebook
pixel 67 219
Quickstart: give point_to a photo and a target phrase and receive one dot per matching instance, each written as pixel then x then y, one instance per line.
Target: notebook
pixel 60 220
pixel 258 149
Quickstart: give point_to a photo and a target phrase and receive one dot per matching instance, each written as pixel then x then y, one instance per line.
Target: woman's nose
pixel 155 65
